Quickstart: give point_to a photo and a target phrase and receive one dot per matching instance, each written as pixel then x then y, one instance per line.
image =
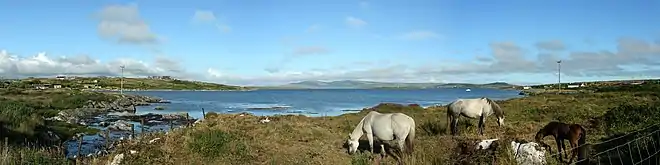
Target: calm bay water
pixel 317 102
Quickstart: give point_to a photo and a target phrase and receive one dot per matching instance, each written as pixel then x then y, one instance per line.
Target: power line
pixel 121 81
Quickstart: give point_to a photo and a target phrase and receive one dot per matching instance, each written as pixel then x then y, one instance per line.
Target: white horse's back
pixel 476 108
pixel 472 108
pixel 386 126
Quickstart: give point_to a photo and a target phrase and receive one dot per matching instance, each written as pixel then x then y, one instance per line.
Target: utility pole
pixel 559 75
pixel 121 81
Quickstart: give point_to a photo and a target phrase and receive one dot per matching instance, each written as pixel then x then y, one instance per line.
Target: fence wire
pixel 639 147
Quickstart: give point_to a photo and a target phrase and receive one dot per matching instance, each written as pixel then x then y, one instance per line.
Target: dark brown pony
pixel 574 133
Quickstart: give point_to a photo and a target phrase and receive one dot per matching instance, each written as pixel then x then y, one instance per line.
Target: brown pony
pixel 574 133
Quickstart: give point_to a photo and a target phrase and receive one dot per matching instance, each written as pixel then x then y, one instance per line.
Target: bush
pixel 647 87
pixel 77 100
pixel 210 143
pixel 433 128
pixel 361 158
pixel 629 117
pixel 26 155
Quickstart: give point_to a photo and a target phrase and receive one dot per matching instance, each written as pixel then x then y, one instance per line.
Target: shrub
pixel 210 143
pixel 629 117
pixel 360 158
pixel 433 128
pixel 28 155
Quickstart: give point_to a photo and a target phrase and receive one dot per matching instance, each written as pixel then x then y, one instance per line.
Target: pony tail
pixel 410 139
pixel 582 149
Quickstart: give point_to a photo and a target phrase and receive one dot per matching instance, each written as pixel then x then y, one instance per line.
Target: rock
pixel 141 104
pixel 198 121
pixel 153 140
pixel 159 108
pixel 266 120
pixel 528 153
pixel 120 125
pixel 485 144
pixel 103 124
pixel 117 159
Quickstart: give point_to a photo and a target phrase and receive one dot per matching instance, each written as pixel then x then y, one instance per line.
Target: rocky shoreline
pixel 117 119
pixel 127 103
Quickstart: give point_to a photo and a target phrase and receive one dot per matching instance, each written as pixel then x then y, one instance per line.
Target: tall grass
pixel 31 155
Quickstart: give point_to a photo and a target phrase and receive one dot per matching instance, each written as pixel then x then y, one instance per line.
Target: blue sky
pixel 264 43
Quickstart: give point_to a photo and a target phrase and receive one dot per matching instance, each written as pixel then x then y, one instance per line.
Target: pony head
pixel 499 112
pixel 352 144
pixel 500 121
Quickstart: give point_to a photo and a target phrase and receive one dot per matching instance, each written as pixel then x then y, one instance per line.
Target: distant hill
pixel 498 85
pixel 353 84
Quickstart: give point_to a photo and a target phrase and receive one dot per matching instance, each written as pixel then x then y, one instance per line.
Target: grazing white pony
pixel 477 108
pixel 384 127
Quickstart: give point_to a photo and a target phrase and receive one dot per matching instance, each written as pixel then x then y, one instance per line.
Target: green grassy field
pixel 224 139
pixel 24 128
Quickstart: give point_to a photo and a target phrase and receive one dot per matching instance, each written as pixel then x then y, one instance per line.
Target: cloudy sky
pixel 266 43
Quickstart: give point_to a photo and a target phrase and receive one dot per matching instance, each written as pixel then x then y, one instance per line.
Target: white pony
pixel 385 127
pixel 478 108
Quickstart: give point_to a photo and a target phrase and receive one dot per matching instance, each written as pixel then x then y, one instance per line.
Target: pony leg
pixel 370 137
pixel 401 150
pixel 452 126
pixel 563 147
pixel 481 125
pixel 383 153
pixel 574 150
pixel 558 141
pixel 456 125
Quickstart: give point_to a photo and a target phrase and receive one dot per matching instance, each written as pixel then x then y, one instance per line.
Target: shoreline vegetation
pixel 28 121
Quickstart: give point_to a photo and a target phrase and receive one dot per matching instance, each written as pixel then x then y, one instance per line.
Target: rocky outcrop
pixel 126 103
pixel 120 125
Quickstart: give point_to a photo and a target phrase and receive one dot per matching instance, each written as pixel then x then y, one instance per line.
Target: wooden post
pixel 80 140
pixel 6 151
pixel 583 153
pixel 107 139
pixel 171 125
pixel 187 120
pixel 132 131
pixel 203 114
pixel 141 126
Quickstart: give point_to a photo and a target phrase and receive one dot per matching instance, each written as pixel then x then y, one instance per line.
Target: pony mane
pixel 495 107
pixel 358 129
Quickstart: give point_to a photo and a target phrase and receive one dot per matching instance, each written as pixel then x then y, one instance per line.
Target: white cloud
pixel 310 50
pixel 205 16
pixel 223 28
pixel 42 64
pixel 507 61
pixel 420 35
pixel 123 24
pixel 355 22
pixel 313 28
pixel 364 4
pixel 552 45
